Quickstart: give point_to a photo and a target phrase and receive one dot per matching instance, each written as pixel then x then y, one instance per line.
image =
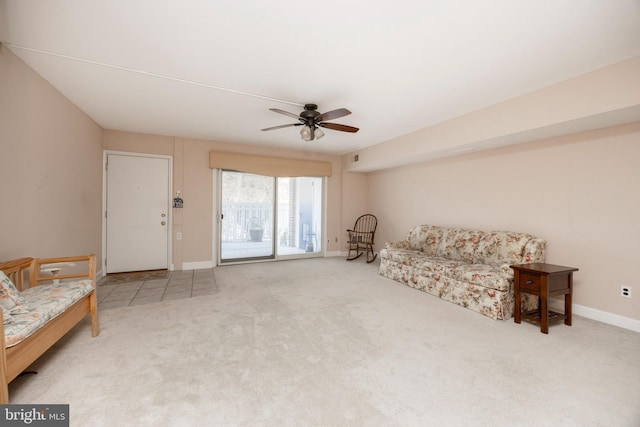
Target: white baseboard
pixel 99 275
pixel 197 265
pixel 599 315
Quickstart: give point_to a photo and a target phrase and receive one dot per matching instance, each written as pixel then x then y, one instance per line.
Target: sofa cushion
pixel 45 303
pixel 402 256
pixel 480 274
pixel 10 299
pixel 420 260
pixel 9 307
pixel 435 265
pixel 460 244
pixel 7 317
pixel 10 288
pixel 501 247
pixel 6 302
pixel 426 238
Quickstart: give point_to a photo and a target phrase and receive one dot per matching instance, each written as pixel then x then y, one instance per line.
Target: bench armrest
pixel 35 276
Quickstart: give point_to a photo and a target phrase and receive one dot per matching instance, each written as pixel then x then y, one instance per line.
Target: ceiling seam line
pixel 148 73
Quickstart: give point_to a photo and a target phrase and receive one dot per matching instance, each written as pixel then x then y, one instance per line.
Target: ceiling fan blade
pixel 336 126
pixel 333 114
pixel 286 113
pixel 282 126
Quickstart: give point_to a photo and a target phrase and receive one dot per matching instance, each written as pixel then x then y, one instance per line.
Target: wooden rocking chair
pixel 361 237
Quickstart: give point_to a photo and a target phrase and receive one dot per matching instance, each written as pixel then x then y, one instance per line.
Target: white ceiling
pixel 212 69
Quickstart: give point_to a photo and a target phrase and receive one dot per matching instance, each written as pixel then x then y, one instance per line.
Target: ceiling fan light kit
pixel 312 120
pixel 305 133
pixel 309 133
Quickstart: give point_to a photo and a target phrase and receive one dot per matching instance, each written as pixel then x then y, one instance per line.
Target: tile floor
pixel 178 284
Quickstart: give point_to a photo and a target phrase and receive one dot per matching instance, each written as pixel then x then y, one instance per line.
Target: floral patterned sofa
pixel 467 267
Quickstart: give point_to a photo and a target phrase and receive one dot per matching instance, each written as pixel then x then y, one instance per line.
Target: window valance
pixel 268 166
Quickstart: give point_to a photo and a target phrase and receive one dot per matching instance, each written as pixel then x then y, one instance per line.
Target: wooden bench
pixel 16 356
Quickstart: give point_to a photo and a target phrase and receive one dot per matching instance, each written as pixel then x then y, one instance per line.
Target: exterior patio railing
pixel 240 218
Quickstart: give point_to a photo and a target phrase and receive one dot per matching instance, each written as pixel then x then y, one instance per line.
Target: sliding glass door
pixel 247 216
pixel 299 216
pixel 252 229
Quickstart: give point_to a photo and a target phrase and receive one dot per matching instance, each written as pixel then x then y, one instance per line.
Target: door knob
pixel 162 223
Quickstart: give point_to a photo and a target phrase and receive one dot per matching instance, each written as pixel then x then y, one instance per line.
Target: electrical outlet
pixel 625 291
pixel 178 236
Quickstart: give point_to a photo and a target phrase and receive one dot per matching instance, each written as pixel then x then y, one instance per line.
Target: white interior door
pixel 137 216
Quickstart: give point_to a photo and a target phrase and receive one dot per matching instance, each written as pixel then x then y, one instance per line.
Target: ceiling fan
pixel 312 120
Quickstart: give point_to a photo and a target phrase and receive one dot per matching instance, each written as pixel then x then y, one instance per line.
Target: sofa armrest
pixel 507 271
pixel 534 251
pixel 402 244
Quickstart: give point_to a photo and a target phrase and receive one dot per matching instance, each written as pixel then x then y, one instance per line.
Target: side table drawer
pixel 530 282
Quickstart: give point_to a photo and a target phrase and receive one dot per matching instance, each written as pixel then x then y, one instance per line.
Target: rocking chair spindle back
pixel 361 237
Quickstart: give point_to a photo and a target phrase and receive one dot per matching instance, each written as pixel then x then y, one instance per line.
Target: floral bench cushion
pixel 11 302
pixel 43 304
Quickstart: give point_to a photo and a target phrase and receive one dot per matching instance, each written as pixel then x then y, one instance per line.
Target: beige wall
pixel 606 97
pixel 50 169
pixel 579 192
pixel 355 200
pixel 193 177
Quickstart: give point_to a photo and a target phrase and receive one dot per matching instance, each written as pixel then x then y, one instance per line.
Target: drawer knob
pixel 529 282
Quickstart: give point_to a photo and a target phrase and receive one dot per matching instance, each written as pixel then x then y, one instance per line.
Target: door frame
pixel 105 156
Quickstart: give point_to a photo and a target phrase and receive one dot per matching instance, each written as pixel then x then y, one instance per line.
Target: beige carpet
pixel 331 343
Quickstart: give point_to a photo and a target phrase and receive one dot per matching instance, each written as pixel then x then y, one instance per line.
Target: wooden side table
pixel 543 280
